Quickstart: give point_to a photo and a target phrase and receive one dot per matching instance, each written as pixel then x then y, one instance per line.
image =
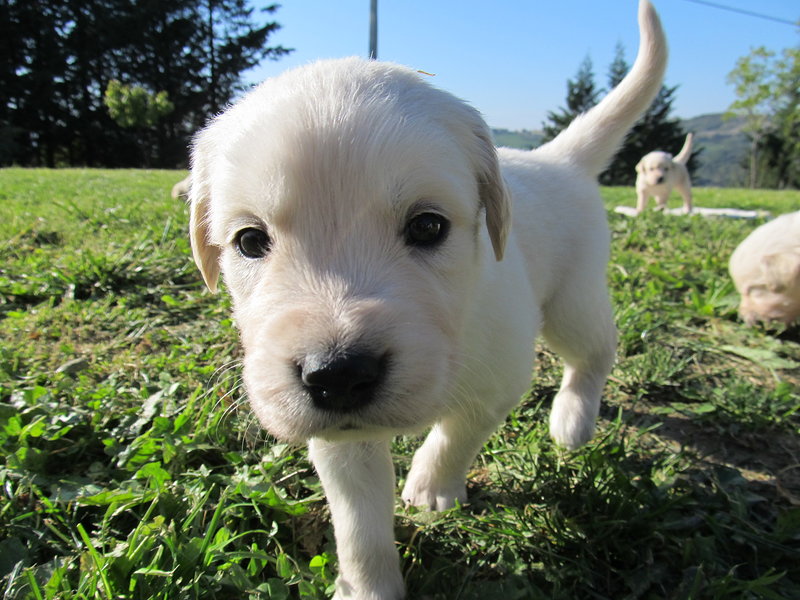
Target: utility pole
pixel 373 29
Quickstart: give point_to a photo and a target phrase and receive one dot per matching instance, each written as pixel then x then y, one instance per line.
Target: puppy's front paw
pixel 423 490
pixel 388 586
pixel 570 425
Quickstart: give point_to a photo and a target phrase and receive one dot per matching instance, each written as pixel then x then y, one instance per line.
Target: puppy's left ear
pixel 493 192
pixel 206 255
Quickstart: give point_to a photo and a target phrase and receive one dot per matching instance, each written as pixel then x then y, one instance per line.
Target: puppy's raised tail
pixel 592 139
pixel 686 151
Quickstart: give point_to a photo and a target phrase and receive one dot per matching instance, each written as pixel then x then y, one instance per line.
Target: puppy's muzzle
pixel 342 380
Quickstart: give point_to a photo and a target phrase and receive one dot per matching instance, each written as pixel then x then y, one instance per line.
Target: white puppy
pixel 765 268
pixel 658 173
pixel 359 217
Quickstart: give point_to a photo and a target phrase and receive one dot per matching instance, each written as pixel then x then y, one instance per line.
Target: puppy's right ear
pixel 206 255
pixel 781 270
pixel 640 167
pixel 493 192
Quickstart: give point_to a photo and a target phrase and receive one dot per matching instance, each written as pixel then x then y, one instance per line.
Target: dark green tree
pixel 581 96
pixel 58 57
pixel 33 88
pixel 618 67
pixel 196 52
pixel 656 130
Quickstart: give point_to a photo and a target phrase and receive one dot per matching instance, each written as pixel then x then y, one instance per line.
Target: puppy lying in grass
pixel 362 220
pixel 765 268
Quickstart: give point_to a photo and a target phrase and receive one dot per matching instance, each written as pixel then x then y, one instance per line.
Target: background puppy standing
pixel 359 217
pixel 658 173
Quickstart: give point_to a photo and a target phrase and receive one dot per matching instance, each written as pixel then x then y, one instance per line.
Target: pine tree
pixel 581 96
pixel 59 56
pixel 618 68
pixel 654 131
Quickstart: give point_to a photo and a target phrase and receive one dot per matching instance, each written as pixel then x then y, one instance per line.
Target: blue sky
pixel 511 60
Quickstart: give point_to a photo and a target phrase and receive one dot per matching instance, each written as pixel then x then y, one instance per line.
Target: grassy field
pixel 132 468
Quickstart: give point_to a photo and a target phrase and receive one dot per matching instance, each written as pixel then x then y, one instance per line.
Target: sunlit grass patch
pixel 132 467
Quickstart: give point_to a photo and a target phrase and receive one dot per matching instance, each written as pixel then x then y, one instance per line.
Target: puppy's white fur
pixel 333 161
pixel 765 268
pixel 658 173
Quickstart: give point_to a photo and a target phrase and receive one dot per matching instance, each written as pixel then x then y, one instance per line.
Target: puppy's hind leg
pixel 579 326
pixel 686 192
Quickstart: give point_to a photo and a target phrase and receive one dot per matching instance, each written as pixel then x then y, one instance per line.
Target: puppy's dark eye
pixel 252 242
pixel 426 230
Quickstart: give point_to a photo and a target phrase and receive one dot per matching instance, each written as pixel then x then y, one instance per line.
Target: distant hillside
pixel 724 145
pixel 725 148
pixel 524 139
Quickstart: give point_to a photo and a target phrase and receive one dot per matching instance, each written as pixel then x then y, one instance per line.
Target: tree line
pixel 120 83
pixel 125 83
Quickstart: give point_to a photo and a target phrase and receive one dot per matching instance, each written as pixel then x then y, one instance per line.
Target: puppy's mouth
pixel 375 419
pixel 365 430
pixel 349 427
pixel 378 420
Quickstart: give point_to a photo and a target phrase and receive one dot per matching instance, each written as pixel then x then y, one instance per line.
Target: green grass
pixel 132 468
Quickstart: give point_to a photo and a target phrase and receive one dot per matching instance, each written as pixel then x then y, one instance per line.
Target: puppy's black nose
pixel 341 380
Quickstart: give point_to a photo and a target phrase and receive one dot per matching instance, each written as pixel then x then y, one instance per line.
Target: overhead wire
pixel 746 12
